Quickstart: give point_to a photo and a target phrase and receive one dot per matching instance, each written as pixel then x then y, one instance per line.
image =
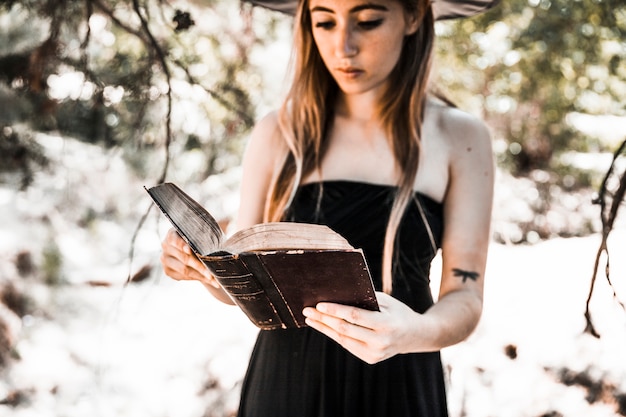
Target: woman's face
pixel 360 41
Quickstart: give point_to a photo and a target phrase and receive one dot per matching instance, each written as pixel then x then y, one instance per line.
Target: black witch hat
pixel 442 9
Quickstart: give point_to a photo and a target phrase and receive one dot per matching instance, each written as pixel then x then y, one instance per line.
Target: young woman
pixel 359 145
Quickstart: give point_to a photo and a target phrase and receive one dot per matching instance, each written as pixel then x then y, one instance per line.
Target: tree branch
pixel 163 62
pixel 247 119
pixel 608 220
pixel 108 12
pixel 168 120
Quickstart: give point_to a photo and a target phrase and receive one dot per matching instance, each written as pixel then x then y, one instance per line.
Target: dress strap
pixel 429 230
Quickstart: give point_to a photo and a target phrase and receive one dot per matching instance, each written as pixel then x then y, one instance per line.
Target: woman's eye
pixel 325 25
pixel 370 24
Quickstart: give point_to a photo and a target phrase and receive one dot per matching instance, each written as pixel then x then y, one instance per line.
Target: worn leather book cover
pixel 272 271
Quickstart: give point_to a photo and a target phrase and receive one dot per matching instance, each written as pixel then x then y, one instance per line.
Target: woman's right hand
pixel 180 263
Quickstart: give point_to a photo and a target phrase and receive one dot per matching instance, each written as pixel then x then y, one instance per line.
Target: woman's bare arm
pixel 376 336
pixel 259 162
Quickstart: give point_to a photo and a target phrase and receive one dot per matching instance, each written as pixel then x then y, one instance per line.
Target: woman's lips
pixel 349 72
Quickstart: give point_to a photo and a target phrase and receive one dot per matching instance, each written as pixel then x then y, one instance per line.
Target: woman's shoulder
pixel 266 148
pixel 267 129
pixel 455 122
pixel 457 128
pixel 264 153
pixel 266 140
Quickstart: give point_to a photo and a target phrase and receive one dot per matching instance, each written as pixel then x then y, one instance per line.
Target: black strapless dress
pixel 301 372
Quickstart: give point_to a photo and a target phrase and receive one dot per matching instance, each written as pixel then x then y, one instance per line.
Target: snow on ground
pixel 535 301
pixel 163 348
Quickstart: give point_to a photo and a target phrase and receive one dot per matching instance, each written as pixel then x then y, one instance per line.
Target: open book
pixel 272 270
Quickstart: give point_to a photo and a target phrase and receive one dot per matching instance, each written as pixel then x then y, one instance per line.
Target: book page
pixel 195 225
pixel 285 235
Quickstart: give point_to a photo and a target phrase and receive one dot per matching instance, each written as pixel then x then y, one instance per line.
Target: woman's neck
pixel 361 107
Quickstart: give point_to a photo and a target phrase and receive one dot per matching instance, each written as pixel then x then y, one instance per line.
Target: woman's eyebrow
pixel 360 7
pixel 369 6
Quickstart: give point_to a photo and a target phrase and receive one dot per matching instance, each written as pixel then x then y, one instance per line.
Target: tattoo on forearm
pixel 465 274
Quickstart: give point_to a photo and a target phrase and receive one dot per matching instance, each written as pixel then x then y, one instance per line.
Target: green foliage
pixel 144 76
pixel 572 178
pixel 526 65
pixel 52 263
pixel 135 74
pixel 20 155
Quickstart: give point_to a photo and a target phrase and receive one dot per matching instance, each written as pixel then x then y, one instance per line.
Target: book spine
pixel 254 263
pixel 243 288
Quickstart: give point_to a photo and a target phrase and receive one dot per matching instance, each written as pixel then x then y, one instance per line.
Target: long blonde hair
pixel 306 116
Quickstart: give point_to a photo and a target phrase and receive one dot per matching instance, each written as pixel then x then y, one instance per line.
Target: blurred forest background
pixel 152 80
pixel 99 97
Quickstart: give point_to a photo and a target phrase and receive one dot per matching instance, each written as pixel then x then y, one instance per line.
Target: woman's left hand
pixel 372 336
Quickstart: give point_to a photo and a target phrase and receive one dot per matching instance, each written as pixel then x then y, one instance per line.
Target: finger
pixel 357 347
pixel 194 268
pixel 182 267
pixel 175 240
pixel 172 237
pixel 384 299
pixel 210 279
pixel 354 315
pixel 336 327
pixel 175 247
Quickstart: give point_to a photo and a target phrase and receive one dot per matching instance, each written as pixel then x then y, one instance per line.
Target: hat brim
pixel 442 9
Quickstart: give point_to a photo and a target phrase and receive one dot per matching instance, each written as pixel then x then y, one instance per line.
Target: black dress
pixel 301 372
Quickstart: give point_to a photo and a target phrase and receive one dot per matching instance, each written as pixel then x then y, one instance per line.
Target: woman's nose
pixel 347 43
